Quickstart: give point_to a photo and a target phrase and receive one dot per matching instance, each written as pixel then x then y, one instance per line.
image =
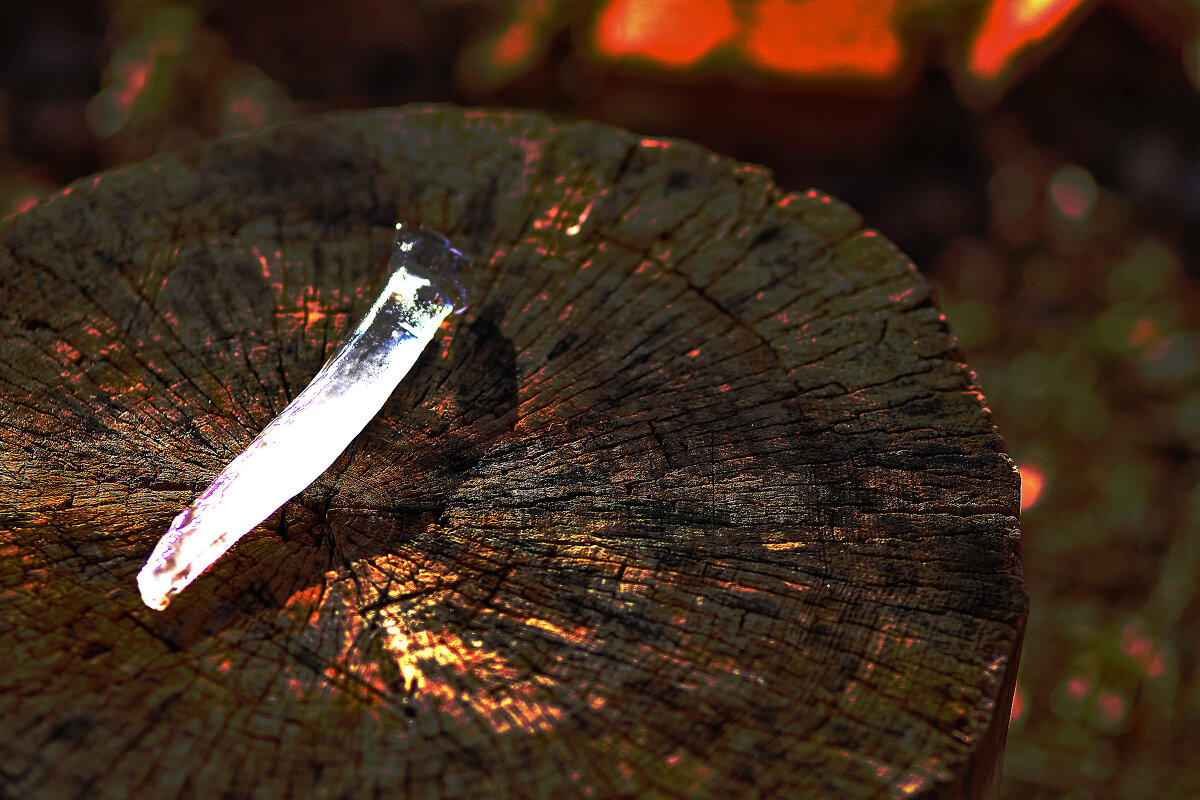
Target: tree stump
pixel 697 499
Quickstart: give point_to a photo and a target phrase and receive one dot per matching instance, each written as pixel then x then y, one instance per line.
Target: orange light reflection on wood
pixel 25 203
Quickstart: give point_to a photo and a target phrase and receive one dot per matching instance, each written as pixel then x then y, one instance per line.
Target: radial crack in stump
pixel 698 500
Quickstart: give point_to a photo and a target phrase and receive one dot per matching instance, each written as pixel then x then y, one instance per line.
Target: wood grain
pixel 697 499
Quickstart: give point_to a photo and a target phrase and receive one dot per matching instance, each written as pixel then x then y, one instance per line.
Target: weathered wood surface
pixel 696 500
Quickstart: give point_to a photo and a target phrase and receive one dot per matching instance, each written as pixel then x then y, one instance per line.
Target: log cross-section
pixel 696 499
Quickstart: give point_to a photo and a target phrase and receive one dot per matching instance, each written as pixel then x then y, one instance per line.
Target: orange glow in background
pixel 674 33
pixel 511 48
pixel 134 77
pixel 1033 482
pixel 515 45
pixel 1010 27
pixel 865 42
pixel 830 38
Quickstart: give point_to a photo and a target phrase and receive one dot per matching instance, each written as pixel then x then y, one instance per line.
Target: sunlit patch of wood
pixel 388 660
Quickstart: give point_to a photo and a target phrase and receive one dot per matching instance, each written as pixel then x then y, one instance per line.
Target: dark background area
pixel 1059 222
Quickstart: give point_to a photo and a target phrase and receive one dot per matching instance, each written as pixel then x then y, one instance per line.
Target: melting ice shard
pixel 298 445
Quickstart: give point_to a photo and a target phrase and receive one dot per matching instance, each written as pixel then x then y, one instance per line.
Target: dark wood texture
pixel 696 500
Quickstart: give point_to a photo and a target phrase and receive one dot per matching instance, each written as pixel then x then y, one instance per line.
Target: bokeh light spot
pixel 515 46
pixel 1012 26
pixel 1142 649
pixel 1073 191
pixel 675 33
pixel 134 80
pixel 1033 482
pixel 826 38
pixel 1110 708
pixel 1143 332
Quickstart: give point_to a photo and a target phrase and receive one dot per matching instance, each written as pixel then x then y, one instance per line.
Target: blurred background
pixel 1038 159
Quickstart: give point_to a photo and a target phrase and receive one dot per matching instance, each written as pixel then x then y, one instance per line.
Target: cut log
pixel 697 499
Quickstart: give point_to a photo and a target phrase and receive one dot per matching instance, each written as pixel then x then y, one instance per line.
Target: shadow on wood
pixel 696 499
